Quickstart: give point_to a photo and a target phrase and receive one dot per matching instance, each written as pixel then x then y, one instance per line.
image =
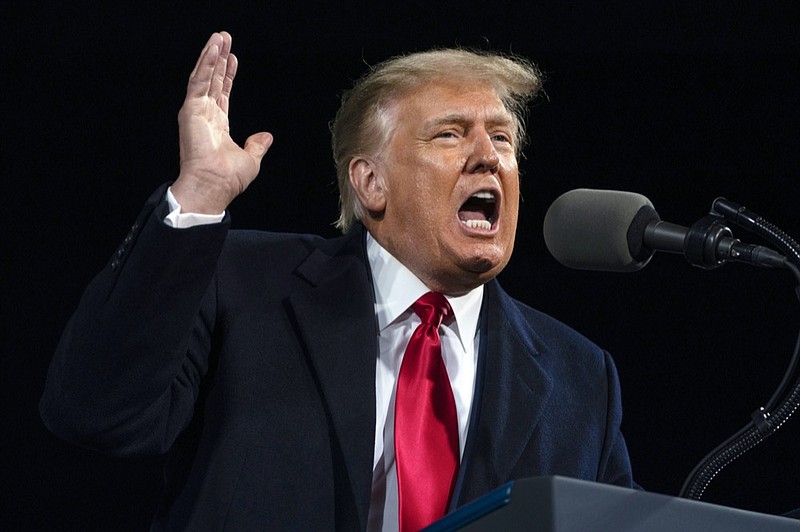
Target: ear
pixel 368 185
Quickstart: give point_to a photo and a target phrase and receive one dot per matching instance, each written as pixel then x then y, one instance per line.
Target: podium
pixel 559 504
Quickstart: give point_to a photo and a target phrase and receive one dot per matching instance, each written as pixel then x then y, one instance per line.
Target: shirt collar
pixel 396 289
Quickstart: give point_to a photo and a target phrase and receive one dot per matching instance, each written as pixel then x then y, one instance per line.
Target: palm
pixel 207 146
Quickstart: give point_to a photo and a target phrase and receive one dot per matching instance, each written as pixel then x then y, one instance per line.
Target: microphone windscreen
pixel 589 229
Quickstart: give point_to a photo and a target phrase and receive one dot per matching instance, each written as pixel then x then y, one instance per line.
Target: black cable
pixel 786 399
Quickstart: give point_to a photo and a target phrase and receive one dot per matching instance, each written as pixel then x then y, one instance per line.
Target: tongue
pixel 466 213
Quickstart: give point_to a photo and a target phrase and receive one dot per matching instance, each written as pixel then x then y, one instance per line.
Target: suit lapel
pixel 514 390
pixel 335 321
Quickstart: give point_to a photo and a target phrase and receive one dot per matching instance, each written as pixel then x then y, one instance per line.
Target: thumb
pixel 257 144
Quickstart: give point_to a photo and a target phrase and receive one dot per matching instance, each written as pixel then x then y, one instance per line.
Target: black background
pixel 680 101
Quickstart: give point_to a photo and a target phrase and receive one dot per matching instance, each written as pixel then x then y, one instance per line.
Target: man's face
pixel 451 185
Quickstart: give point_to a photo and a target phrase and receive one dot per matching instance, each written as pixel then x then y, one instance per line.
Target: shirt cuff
pixel 184 220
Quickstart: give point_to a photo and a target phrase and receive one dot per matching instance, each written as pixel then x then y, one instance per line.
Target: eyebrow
pixel 496 119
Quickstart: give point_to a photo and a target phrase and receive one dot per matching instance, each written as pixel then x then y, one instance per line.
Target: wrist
pixel 194 196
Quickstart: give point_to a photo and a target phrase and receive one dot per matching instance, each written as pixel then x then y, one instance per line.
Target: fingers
pixel 214 39
pixel 201 74
pixel 227 84
pixel 213 73
pixel 220 67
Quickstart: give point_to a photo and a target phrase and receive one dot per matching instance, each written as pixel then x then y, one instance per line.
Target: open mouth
pixel 479 211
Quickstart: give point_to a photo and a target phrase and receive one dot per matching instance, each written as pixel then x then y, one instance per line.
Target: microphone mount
pixel 708 244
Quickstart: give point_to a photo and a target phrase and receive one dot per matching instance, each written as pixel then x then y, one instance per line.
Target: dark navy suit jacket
pixel 249 359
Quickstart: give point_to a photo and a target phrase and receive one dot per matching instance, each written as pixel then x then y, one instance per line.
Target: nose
pixel 484 157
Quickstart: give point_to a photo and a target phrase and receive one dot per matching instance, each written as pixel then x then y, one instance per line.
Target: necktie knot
pixel 432 308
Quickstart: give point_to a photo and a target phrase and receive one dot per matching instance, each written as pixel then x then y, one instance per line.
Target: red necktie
pixel 425 425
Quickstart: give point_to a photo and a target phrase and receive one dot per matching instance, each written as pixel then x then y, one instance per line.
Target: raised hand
pixel 214 169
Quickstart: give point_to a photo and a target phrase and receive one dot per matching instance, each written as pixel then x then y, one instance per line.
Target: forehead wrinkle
pixel 493 119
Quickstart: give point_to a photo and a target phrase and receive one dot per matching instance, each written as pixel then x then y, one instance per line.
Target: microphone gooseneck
pixel 766 420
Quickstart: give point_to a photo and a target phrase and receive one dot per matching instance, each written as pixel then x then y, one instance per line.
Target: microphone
pixel 610 230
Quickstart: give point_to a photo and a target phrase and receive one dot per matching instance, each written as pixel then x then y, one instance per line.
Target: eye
pixel 449 134
pixel 501 137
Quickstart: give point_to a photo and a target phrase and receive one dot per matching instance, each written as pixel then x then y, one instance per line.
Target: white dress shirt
pixel 396 289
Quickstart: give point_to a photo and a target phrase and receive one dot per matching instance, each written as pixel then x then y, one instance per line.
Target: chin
pixel 486 261
pixel 480 265
pixel 481 270
pixel 475 266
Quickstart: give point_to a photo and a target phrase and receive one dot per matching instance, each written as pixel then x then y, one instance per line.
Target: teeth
pixel 485 195
pixel 478 224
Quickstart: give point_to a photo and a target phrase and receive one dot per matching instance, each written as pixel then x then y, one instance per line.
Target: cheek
pixel 513 210
pixel 411 206
pixel 511 197
pixel 430 192
pixel 510 210
pixel 511 186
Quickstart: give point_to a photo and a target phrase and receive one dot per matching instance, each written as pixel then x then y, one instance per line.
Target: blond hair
pixel 363 121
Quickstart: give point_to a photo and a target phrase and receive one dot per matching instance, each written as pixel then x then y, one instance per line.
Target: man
pixel 271 368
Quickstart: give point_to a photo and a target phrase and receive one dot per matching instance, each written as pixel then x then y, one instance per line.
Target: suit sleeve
pixel 615 465
pixel 127 370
